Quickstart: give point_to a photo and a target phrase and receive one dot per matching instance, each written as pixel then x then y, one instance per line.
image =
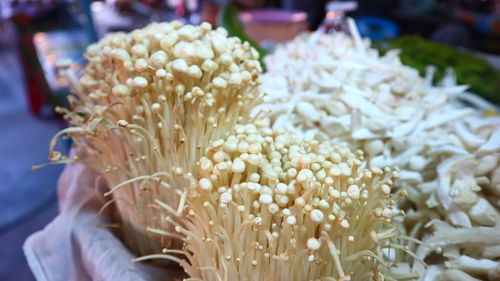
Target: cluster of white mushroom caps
pixel 337 88
pixel 268 205
pixel 148 104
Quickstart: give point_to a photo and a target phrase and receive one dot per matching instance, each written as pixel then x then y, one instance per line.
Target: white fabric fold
pixel 76 247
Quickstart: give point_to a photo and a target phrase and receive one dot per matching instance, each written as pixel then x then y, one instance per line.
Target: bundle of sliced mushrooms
pixel 350 167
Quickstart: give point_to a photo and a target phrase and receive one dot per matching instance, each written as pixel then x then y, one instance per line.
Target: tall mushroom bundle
pixel 146 107
pixel 334 87
pixel 269 206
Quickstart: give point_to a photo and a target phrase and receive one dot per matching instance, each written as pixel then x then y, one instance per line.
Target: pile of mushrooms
pixel 305 186
pixel 147 105
pixel 335 87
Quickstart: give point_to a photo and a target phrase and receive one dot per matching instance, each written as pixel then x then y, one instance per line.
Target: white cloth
pixel 73 247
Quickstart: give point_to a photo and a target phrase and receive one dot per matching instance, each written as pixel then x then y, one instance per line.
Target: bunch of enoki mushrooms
pixel 173 119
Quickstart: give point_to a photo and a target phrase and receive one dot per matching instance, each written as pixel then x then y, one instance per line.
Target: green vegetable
pixel 470 69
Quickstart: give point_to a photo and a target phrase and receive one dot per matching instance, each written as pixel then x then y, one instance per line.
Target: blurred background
pixel 37 36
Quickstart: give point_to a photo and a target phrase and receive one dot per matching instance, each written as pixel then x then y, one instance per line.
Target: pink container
pixel 272 24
